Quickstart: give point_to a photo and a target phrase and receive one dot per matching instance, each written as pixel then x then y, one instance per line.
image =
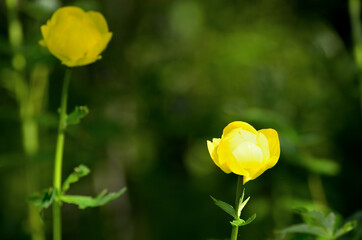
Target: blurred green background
pixel 174 75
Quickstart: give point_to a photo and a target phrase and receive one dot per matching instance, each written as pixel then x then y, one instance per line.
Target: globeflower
pixel 76 37
pixel 244 150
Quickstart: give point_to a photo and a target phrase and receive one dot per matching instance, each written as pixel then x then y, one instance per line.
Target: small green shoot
pixel 79 172
pixel 78 113
pixel 232 212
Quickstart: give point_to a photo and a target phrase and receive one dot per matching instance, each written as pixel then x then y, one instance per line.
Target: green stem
pixel 239 186
pixel 317 191
pixel 355 18
pixel 57 227
pixel 29 126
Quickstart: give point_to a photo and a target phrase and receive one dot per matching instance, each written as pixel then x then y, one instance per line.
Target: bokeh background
pixel 174 75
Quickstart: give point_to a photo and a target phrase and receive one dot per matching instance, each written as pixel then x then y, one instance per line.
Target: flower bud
pixel 245 151
pixel 76 37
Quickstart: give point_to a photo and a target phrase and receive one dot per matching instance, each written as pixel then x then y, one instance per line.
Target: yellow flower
pixel 76 37
pixel 245 151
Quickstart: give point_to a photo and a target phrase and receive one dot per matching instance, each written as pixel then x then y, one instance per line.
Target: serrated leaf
pixel 304 228
pixel 43 199
pixel 86 201
pixel 241 222
pixel 321 165
pixel 79 172
pixel 347 227
pixel 225 206
pixel 78 113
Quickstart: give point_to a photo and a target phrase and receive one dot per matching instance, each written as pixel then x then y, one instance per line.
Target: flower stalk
pixel 239 186
pixel 59 156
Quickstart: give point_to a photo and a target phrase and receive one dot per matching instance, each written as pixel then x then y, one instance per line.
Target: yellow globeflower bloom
pixel 244 150
pixel 76 37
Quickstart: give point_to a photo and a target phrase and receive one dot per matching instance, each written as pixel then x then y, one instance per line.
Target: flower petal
pixel 99 21
pixel 212 147
pixel 274 145
pixel 238 124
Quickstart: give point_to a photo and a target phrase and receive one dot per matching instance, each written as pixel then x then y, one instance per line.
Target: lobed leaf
pixel 79 172
pixel 86 201
pixel 347 227
pixel 43 199
pixel 78 113
pixel 329 223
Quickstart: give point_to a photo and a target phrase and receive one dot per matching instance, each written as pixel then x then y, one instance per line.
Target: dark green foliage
pixel 320 225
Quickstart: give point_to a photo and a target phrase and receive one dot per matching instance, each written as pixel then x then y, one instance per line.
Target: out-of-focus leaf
pixel 86 201
pixel 79 172
pixel 320 165
pixel 44 199
pixel 317 218
pixel 347 227
pixel 304 228
pixel 78 113
pixel 40 9
pixel 225 206
pixel 329 223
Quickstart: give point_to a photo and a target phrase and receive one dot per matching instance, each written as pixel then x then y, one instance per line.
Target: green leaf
pixel 241 222
pixel 225 206
pixel 321 165
pixel 347 227
pixel 329 223
pixel 79 172
pixel 43 199
pixel 78 113
pixel 304 228
pixel 237 222
pixel 252 218
pixel 242 205
pixel 86 201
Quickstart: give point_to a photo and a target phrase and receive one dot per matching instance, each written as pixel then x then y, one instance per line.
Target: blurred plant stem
pixel 355 18
pixel 29 97
pixel 57 218
pixel 239 186
pixel 317 191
